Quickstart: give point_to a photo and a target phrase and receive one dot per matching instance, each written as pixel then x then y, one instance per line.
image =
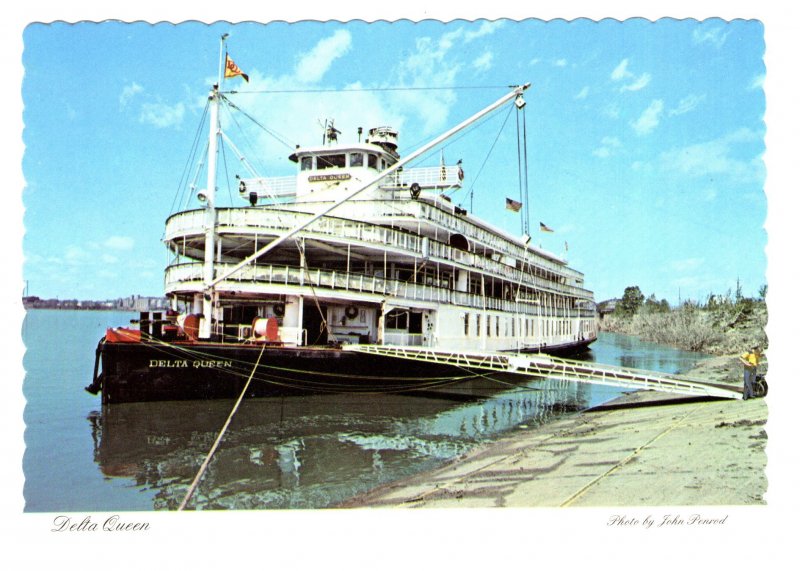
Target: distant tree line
pixel 719 323
pixel 633 301
pixel 731 303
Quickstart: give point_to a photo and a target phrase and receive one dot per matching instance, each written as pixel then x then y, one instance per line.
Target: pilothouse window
pixel 330 161
pixel 306 163
pixel 356 159
pixel 372 161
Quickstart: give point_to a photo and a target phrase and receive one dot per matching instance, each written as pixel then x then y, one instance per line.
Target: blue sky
pixel 645 140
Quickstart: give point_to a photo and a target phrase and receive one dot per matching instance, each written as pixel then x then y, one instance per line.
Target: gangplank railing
pixel 554 367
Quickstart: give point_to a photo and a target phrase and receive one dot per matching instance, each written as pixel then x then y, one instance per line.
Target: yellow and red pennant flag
pixel 544 228
pixel 232 70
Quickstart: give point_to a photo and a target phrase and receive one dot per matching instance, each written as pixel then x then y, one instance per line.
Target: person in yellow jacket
pixel 750 361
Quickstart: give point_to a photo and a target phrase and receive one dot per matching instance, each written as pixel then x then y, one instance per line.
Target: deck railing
pixel 259 220
pixel 402 338
pixel 190 276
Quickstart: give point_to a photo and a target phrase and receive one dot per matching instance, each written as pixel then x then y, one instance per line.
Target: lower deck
pixel 298 321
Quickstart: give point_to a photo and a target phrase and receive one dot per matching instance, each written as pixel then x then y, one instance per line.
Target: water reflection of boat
pixel 310 451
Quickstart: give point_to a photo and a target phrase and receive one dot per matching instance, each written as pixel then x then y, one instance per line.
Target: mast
pixel 210 197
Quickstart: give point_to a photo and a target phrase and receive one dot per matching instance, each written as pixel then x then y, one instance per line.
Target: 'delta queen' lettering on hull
pixel 185 364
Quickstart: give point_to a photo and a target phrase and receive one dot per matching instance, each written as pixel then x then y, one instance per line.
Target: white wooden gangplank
pixel 543 365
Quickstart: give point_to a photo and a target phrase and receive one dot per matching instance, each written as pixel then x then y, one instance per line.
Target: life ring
pixel 242 186
pixel 415 190
pixel 351 311
pixel 279 309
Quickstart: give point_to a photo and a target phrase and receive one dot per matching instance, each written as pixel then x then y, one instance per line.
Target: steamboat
pixel 359 247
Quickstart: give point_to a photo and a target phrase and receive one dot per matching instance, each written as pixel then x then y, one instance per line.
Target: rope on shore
pixel 206 462
pixel 628 458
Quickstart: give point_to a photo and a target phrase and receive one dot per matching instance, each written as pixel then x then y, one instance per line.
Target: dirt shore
pixel 643 449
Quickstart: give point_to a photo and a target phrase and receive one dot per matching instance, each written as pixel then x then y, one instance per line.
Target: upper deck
pixel 354 202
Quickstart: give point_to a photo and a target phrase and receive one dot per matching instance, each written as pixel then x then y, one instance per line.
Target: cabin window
pixel 306 163
pixel 330 161
pixel 466 324
pixel 356 159
pixel 478 324
pixel 459 241
pixel 396 319
pixel 372 161
pixel 488 325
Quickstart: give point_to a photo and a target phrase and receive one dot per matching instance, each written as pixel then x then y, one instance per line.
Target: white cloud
pixel 162 115
pixel 757 82
pixel 642 167
pixel 713 36
pixel 120 243
pixel 75 254
pixel 621 71
pixel 649 119
pixel 583 94
pixel 416 113
pixel 483 62
pixel 560 63
pixel 640 83
pixel 607 147
pixel 687 104
pixel 128 92
pixel 612 111
pixel 534 61
pixel 716 158
pixel 449 39
pixel 313 65
pixel 485 29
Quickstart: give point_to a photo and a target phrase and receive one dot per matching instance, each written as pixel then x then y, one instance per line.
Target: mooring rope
pixel 203 468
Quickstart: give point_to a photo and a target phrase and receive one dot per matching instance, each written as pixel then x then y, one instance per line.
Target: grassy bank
pixel 721 329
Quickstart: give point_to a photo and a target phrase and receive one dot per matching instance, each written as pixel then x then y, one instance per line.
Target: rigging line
pixel 204 466
pixel 190 158
pixel 196 175
pixel 488 154
pixel 227 176
pixel 278 137
pixel 168 349
pixel 454 140
pixel 324 324
pixel 244 136
pixel 364 89
pixel 519 175
pixel 526 204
